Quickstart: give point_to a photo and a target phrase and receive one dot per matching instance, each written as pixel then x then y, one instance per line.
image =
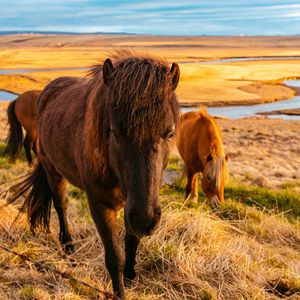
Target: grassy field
pixel 247 249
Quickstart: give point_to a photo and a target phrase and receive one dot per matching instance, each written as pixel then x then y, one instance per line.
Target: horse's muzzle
pixel 144 224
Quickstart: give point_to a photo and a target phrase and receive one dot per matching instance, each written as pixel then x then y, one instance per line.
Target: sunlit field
pixel 246 249
pixel 211 84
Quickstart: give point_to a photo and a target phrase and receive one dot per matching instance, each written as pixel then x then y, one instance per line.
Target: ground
pixel 246 249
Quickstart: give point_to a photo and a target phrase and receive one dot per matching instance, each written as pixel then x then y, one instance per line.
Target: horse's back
pixel 52 92
pixel 26 102
pixel 198 132
pixel 188 140
pixel 25 108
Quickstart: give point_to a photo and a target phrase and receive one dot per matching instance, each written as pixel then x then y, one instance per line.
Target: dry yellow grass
pixel 240 82
pixel 194 254
pixel 236 252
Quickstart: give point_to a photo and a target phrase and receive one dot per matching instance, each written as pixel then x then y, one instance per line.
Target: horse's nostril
pixel 149 228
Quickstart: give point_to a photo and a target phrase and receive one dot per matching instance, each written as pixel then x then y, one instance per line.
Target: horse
pixel 21 113
pixel 199 143
pixel 108 134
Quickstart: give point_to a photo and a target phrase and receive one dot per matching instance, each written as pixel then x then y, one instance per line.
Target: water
pixel 6 96
pixel 293 83
pixel 242 111
pixel 234 112
pixel 241 59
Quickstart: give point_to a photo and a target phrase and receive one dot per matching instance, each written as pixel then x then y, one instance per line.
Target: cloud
pixel 191 17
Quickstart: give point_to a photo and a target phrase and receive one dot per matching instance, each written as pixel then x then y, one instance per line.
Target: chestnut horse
pixel 200 145
pixel 21 113
pixel 108 135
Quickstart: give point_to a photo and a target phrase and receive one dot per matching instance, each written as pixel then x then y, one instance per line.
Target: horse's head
pixel 214 177
pixel 143 115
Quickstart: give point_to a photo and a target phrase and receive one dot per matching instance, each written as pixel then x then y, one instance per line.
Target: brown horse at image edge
pixel 22 113
pixel 107 134
pixel 200 145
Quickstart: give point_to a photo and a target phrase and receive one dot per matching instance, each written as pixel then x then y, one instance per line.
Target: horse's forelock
pixel 217 170
pixel 142 97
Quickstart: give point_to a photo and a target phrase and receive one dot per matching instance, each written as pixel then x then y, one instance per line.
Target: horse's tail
pixel 15 134
pixel 38 201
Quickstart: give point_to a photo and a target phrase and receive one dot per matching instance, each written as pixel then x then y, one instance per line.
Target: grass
pixel 284 200
pixel 244 250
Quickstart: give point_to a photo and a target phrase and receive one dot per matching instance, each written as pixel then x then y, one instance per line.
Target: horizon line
pixel 11 32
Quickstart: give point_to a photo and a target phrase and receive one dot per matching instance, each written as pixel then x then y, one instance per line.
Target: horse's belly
pixel 63 162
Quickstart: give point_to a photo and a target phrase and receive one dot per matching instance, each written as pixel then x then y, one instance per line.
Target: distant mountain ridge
pixel 9 32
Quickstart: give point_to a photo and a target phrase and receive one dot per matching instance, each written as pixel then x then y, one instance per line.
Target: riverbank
pixel 288 112
pixel 205 82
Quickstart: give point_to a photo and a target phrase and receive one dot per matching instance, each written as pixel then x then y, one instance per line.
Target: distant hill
pixel 61 32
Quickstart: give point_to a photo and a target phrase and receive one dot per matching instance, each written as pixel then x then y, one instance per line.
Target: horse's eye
pixel 170 135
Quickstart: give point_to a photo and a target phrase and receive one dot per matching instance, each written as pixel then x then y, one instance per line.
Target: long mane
pixel 138 99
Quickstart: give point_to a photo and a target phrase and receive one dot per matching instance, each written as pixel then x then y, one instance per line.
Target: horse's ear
pixel 209 157
pixel 175 75
pixel 108 70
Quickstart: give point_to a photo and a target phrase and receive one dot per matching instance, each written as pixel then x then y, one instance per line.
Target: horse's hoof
pixel 194 200
pixel 68 248
pixel 129 274
pixel 191 199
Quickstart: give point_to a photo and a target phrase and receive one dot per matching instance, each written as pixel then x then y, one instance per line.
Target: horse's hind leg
pixel 28 144
pixel 60 202
pixel 192 186
pixel 57 185
pixel 35 142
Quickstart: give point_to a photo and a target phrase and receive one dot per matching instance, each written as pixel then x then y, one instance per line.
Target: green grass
pixel 276 201
pixel 280 201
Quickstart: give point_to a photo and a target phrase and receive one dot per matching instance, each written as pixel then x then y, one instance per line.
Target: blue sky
pixel 185 17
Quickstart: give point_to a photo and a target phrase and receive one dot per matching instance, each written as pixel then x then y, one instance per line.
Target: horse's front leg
pixel 131 245
pixel 191 194
pixel 105 219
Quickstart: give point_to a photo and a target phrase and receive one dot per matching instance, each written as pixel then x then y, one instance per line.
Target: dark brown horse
pixel 21 113
pixel 200 145
pixel 108 135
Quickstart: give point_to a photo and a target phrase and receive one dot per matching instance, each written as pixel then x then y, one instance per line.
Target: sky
pixel 184 17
